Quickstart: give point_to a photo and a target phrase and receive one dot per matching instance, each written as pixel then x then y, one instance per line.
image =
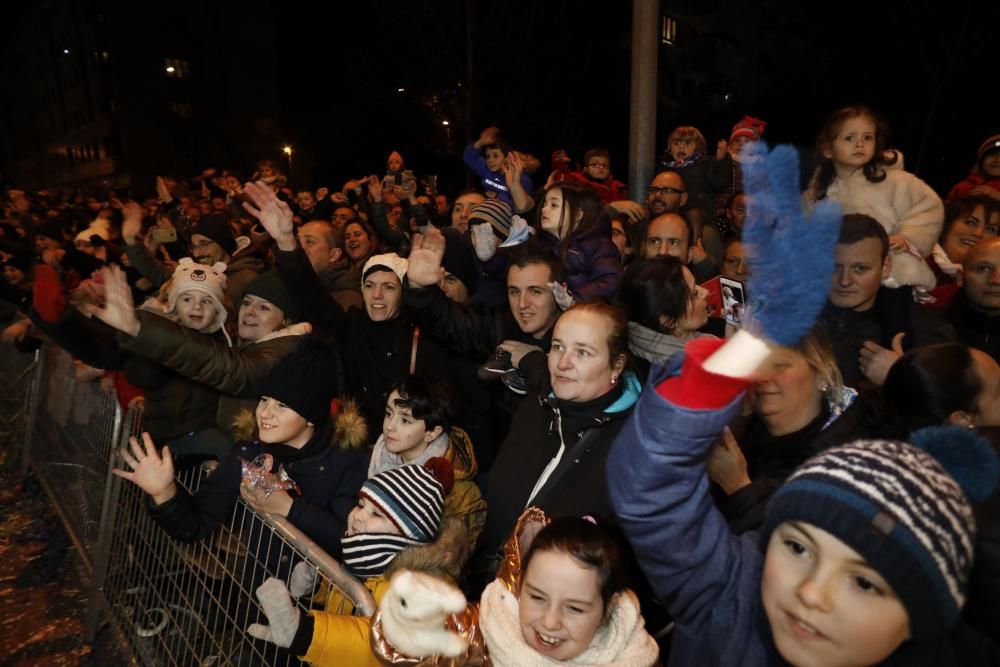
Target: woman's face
pixel 196 310
pixel 580 367
pixel 559 605
pixel 356 242
pixel 967 231
pixel 383 295
pixel 278 423
pixel 791 398
pixel 697 309
pixel 258 317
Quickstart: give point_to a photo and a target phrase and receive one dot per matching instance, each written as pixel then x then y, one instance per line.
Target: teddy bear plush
pixel 414 610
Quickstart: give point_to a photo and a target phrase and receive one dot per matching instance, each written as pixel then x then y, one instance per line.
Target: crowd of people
pixel 746 421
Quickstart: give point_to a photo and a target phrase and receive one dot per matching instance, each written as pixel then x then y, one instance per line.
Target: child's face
pixel 683 147
pixel 366 517
pixel 494 159
pixel 196 310
pixel 736 145
pixel 598 168
pixel 991 165
pixel 405 435
pixel 559 605
pixel 826 606
pixel 278 423
pixel 553 212
pixel 854 145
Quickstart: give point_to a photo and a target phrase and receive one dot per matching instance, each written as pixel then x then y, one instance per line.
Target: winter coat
pixel 709 578
pixel 701 180
pixel 174 404
pixel 621 641
pixel 544 429
pixel 607 191
pixel 903 204
pixel 492 181
pixel 334 637
pixel 848 330
pixel 593 264
pixel 329 477
pixel 972 181
pixel 375 355
pixel 343 281
pixel 976 327
pixel 235 372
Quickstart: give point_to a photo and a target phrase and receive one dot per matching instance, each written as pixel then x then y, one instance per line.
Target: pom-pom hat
pixel 750 127
pixel 904 508
pixel 412 497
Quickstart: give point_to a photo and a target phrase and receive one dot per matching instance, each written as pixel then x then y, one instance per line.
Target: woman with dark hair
pixel 952 383
pixel 664 307
pixel 948 383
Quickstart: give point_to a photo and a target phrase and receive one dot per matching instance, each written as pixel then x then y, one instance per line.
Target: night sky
pixel 556 74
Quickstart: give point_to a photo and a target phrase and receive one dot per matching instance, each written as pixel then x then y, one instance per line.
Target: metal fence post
pixel 34 400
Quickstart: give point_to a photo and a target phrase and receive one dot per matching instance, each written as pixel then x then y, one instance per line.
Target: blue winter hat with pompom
pixel 905 508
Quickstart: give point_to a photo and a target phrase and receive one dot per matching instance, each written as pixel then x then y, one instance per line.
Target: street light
pixel 445 123
pixel 287 150
pixel 171 69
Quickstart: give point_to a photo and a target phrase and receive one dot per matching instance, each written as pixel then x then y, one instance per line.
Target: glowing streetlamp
pixel 287 150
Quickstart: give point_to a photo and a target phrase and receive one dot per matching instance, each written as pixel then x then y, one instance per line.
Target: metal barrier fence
pixel 169 603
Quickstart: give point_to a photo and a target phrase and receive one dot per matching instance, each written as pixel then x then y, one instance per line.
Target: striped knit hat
pixel 495 212
pixel 412 498
pixel 904 508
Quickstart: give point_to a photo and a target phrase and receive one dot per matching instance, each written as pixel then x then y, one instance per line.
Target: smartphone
pixel 164 235
pixel 432 183
pixel 733 300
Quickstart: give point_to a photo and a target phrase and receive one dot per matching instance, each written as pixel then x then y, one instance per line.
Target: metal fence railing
pixel 169 603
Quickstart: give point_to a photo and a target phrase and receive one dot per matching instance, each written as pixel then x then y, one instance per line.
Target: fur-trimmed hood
pixel 443 558
pixel 349 428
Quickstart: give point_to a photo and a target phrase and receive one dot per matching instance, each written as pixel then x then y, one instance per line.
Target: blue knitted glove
pixel 791 255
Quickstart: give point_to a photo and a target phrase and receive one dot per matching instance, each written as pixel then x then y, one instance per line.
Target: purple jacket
pixel 593 264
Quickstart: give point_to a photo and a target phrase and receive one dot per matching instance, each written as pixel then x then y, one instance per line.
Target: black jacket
pixel 975 327
pixel 329 478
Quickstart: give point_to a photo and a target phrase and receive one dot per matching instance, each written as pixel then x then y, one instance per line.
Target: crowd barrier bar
pixel 168 603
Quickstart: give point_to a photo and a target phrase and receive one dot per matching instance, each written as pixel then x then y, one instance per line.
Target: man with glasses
pixel 670 233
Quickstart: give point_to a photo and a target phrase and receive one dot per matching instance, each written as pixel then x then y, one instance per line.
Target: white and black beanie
pixel 412 498
pixel 905 508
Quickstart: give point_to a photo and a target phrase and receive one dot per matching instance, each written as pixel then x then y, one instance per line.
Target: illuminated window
pixel 668 34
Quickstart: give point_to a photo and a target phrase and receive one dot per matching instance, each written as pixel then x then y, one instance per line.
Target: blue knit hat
pixel 904 508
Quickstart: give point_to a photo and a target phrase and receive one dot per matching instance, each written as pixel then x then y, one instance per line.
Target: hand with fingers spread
pixel 427 251
pixel 163 190
pixel 874 361
pixel 274 214
pixel 118 311
pixel 487 137
pixel 727 466
pixel 513 167
pixel 152 471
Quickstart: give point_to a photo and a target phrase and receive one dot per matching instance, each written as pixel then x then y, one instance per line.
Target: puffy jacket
pixel 235 372
pixel 465 501
pixel 593 263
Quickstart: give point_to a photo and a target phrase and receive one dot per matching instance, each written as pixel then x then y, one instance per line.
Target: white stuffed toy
pixel 414 610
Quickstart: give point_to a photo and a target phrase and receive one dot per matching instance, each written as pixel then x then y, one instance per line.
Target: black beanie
pixel 217 228
pixel 271 287
pixel 459 259
pixel 52 228
pixel 305 380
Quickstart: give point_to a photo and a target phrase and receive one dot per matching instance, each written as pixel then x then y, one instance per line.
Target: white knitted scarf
pixel 622 641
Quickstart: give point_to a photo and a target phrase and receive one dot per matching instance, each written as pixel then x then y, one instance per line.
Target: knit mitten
pixel 47 296
pixel 484 241
pixel 562 296
pixel 282 615
pixel 302 581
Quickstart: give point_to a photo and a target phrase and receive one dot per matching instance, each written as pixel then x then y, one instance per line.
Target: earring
pixel 614 379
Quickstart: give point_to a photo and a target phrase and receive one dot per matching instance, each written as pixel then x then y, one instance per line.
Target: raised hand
pixel 631 210
pixel 274 214
pixel 487 136
pixel 375 188
pixel 163 191
pixel 513 167
pixel 118 311
pixel 427 251
pixel 131 222
pixel 875 361
pixel 151 472
pixel 726 465
pixel 792 254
